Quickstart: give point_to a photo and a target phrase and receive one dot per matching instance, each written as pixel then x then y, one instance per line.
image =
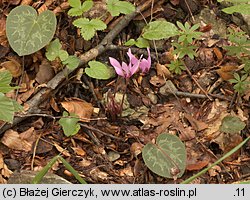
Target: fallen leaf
pixel 13 66
pixel 45 72
pixel 61 150
pixel 97 174
pixel 157 81
pixel 215 170
pixel 126 171
pixel 13 140
pixel 136 149
pixel 196 124
pixel 197 165
pixel 80 107
pixel 163 71
pixel 79 151
pixel 226 72
pixel 218 53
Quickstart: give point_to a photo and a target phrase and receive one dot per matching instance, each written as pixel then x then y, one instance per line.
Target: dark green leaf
pixel 158 30
pixel 165 157
pixel 232 124
pixel 99 71
pixel 27 32
pixel 115 7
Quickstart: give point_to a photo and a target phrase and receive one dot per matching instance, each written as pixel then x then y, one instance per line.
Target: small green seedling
pixel 167 157
pixel 184 49
pixel 69 124
pixel 187 33
pixel 99 70
pixel 176 66
pixel 240 82
pixel 140 42
pixel 54 50
pixel 116 7
pixel 241 43
pixel 79 8
pixel 28 32
pixel 89 27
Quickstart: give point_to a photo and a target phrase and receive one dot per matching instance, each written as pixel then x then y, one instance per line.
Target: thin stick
pixel 197 83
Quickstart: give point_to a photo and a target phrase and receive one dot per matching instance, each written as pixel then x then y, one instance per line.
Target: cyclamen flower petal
pixel 117 66
pixel 145 64
pixel 134 67
pixel 132 57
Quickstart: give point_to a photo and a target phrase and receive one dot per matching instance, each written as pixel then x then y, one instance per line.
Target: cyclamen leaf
pixel 72 62
pixel 27 32
pixel 232 124
pixel 89 27
pixel 166 156
pixel 7 108
pixel 5 79
pixel 70 125
pixel 115 7
pixel 99 71
pixel 158 30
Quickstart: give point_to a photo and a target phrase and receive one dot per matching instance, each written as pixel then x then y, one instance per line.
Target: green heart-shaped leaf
pixel 27 32
pixel 99 71
pixel 167 157
pixel 232 124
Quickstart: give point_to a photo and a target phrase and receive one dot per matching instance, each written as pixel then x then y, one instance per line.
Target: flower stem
pixel 123 97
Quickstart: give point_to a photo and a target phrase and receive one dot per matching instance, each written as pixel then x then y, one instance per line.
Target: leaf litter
pixel 153 107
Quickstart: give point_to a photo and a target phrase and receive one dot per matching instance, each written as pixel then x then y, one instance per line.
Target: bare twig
pixel 197 83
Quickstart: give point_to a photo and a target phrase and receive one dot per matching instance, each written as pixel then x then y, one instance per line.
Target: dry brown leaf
pixel 12 2
pixel 226 72
pixel 45 72
pixel 163 71
pixel 175 2
pixel 197 165
pixel 13 66
pixel 26 2
pixel 218 53
pixel 214 171
pixel 84 163
pixel 3 38
pixel 136 149
pixel 196 124
pixel 13 140
pixel 186 133
pixel 97 174
pixel 79 151
pixel 128 171
pixel 54 105
pixel 157 81
pixel 80 107
pixel 38 124
pixel 61 150
pixel 42 8
pixel 25 96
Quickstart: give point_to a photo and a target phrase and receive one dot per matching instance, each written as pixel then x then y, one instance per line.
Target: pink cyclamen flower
pixel 145 64
pixel 125 70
